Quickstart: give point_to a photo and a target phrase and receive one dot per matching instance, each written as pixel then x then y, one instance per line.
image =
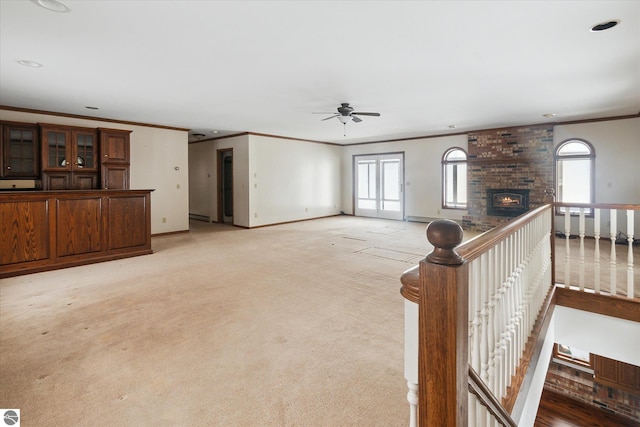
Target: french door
pixel 378 185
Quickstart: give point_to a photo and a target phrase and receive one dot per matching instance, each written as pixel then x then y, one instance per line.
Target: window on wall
pixel 572 355
pixel 454 173
pixel 575 182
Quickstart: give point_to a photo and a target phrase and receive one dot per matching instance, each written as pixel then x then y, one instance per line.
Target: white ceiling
pixel 265 66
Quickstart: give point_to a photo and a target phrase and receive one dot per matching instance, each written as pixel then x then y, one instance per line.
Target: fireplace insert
pixel 507 202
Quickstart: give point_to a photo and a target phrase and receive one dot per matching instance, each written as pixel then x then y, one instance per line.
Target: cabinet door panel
pixel 114 146
pixel 629 376
pixel 79 227
pixel 115 177
pixel 24 231
pixel 82 181
pixel 128 222
pixel 56 181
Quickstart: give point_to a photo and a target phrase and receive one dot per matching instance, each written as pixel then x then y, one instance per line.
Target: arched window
pixel 454 179
pixel 575 172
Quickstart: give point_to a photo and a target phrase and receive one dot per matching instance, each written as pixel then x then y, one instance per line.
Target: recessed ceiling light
pixel 549 115
pixel 52 5
pixel 216 131
pixel 91 108
pixel 32 64
pixel 198 135
pixel 605 25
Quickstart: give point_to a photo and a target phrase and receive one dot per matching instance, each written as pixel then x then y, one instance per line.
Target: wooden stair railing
pixel 509 269
pixel 479 389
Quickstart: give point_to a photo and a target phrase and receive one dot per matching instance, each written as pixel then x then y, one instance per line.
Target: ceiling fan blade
pixel 356 119
pixel 330 117
pixel 366 114
pixel 324 112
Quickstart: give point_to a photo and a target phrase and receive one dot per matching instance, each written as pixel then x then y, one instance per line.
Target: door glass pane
pixel 85 151
pixel 390 184
pixel 367 184
pixel 57 146
pixel 21 151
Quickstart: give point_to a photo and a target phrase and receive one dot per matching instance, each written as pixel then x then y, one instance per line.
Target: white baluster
pixel 612 262
pixel 412 397
pixel 488 277
pixel 477 271
pixel 411 343
pixel 581 233
pixel 491 324
pixel 596 256
pixel 567 252
pixel 630 287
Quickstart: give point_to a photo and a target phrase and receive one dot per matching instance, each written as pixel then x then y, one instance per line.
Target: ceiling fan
pixel 346 114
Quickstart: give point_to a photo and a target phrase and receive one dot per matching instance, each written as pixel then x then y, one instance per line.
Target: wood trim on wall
pixel 79 116
pixel 622 308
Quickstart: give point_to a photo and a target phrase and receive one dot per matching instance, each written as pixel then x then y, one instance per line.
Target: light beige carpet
pixel 292 325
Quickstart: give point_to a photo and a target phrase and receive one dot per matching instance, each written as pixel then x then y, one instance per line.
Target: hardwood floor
pixel 559 411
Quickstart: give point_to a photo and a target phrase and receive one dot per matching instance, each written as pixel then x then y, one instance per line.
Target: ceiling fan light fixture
pixel 604 25
pixel 344 119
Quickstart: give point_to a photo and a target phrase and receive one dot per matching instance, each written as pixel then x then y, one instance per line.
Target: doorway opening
pixel 225 185
pixel 378 185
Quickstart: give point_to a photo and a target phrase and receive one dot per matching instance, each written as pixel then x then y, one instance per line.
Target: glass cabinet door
pixel 56 150
pixel 85 151
pixel 20 152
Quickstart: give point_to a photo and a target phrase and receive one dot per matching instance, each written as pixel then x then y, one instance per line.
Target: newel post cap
pixel 445 235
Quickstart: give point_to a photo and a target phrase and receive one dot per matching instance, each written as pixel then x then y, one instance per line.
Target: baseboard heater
pixel 200 217
pixel 420 219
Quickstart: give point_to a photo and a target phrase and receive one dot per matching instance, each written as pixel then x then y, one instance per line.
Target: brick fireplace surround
pixel 515 158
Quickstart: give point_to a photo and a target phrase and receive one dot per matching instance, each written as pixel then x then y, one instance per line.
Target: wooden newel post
pixel 443 360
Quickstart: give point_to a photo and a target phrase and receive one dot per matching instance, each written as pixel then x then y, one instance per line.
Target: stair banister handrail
pixel 443 315
pixel 479 388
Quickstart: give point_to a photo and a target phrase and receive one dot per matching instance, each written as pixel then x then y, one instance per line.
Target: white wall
pixel 531 397
pixel 292 180
pixel 607 336
pixel 155 153
pixel 203 178
pixel 617 166
pixel 422 173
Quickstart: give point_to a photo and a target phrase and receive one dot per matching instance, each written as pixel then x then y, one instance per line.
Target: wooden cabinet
pixel 69 158
pixel 45 230
pixel 614 373
pixel 19 150
pixel 114 157
pixel 65 157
